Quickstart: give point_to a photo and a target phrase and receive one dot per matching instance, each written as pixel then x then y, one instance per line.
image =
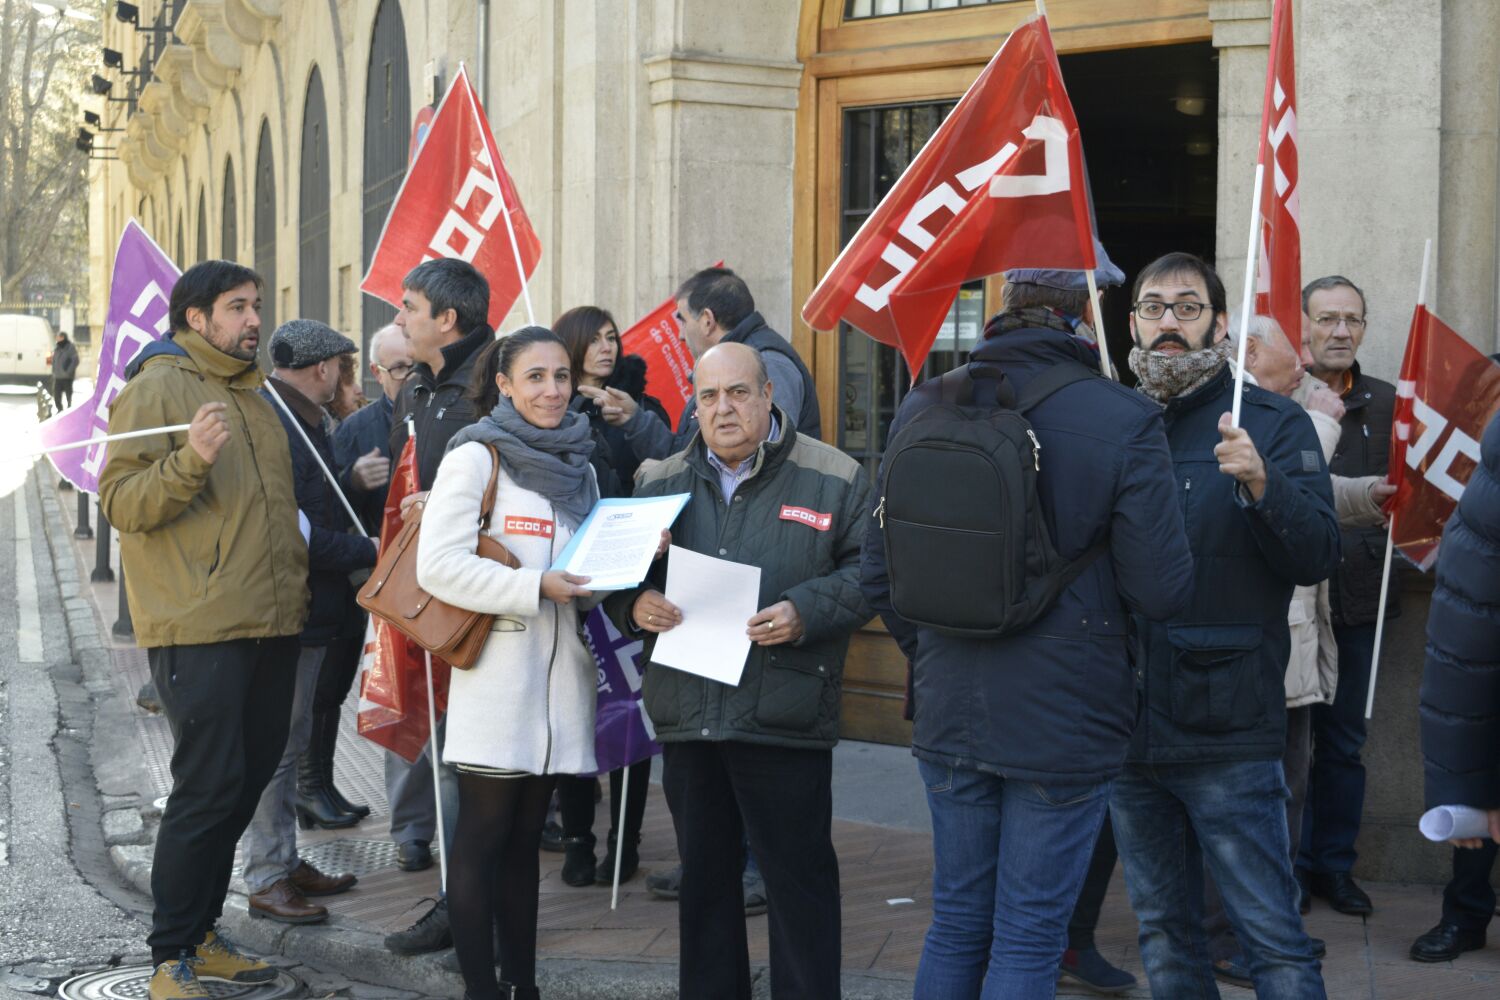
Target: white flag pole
pixel 1390 533
pixel 332 479
pixel 510 230
pixel 1249 297
pixel 1105 367
pixel 614 896
pixel 123 435
pixel 437 790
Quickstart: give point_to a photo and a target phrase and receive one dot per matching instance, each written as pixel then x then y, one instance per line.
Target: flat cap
pixel 1106 275
pixel 298 343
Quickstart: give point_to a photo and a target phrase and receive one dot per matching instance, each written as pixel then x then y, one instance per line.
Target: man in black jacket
pixel 1018 737
pixel 444 305
pixel 64 367
pixel 1461 702
pixel 306 355
pixel 715 306
pixel 1335 309
pixel 1203 782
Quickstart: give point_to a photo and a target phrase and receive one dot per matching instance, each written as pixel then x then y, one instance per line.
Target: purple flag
pixel 138 296
pixel 622 732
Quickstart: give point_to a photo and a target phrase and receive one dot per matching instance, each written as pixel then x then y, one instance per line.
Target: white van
pixel 26 343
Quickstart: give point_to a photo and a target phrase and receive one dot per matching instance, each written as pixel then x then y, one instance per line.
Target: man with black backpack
pixel 1204 785
pixel 1025 510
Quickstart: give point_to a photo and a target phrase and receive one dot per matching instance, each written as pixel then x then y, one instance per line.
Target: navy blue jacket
pixel 366 428
pixel 332 552
pixel 1461 683
pixel 1057 701
pixel 1214 675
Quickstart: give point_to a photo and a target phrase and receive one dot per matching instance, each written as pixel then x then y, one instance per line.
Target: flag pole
pixel 1390 531
pixel 1106 368
pixel 103 438
pixel 1249 296
pixel 437 789
pixel 332 479
pixel 510 230
pixel 614 895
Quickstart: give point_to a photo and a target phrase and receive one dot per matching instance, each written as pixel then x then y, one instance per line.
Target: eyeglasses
pixel 1184 311
pixel 1331 321
pixel 397 372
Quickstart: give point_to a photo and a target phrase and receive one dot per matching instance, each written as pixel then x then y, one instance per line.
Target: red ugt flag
pixel 392 671
pixel 1278 291
pixel 1001 184
pixel 1446 396
pixel 457 201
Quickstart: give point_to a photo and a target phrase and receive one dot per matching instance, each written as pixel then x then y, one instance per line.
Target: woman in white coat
pixel 525 712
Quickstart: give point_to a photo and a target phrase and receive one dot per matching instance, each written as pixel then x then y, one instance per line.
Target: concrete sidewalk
pixel 587 950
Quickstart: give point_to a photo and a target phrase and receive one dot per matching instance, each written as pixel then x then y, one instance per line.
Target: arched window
pixel 312 207
pixel 265 237
pixel 202 224
pixel 387 139
pixel 229 231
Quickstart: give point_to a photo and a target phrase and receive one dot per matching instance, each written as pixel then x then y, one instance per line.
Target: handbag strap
pixel 487 505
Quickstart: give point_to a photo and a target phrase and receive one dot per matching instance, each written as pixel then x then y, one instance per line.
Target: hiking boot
pixel 1088 967
pixel 176 980
pixel 218 958
pixel 431 932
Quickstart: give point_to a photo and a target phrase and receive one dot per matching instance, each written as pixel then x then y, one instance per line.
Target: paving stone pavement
pixel 590 951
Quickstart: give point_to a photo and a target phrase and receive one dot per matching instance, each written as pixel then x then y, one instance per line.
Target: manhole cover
pixel 132 982
pixel 357 857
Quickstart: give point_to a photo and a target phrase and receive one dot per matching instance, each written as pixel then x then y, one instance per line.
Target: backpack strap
pixel 1051 380
pixel 979 384
pixel 1075 568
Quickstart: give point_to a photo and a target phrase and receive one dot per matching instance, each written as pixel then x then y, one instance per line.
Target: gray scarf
pixel 553 463
pixel 1164 377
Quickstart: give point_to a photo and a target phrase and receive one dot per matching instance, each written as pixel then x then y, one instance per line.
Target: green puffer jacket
pixel 800 517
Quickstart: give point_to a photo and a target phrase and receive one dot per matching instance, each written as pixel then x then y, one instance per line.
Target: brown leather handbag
pixel 456 635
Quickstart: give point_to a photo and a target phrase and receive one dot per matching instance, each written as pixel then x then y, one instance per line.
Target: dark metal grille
pixel 313 267
pixel 387 139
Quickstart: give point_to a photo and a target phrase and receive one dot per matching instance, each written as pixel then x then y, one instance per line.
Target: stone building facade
pixel 652 137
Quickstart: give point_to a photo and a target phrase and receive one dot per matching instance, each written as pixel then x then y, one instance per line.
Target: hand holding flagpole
pixel 1390 532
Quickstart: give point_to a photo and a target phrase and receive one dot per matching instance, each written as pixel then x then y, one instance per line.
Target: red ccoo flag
pixel 1278 291
pixel 1445 398
pixel 392 671
pixel 457 201
pixel 1001 184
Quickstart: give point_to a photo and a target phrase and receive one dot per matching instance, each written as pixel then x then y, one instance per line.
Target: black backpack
pixel 967 550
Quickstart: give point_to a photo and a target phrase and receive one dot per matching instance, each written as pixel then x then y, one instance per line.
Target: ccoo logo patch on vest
pixel 811 518
pixel 533 526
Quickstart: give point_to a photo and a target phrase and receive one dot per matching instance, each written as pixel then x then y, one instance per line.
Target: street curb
pixel 339 946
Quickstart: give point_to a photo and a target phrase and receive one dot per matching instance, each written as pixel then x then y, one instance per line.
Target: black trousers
pixel 229 705
pixel 782 799
pixel 575 800
pixel 1468 898
pixel 62 393
pixel 340 664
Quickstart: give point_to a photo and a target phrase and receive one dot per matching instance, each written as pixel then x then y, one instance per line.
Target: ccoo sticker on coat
pixel 533 526
pixel 811 518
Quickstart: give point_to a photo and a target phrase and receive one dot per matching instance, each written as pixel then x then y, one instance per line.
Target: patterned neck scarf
pixel 1164 377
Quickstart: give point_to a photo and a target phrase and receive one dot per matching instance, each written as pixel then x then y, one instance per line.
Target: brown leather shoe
pixel 283 902
pixel 311 882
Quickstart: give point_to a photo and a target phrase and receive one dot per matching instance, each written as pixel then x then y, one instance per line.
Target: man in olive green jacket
pixel 215 567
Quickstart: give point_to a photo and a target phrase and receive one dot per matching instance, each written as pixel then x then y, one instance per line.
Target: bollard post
pixel 124 627
pixel 83 530
pixel 102 572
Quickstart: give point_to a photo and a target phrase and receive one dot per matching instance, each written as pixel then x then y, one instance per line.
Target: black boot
pixel 330 736
pixel 630 860
pixel 578 861
pixel 315 807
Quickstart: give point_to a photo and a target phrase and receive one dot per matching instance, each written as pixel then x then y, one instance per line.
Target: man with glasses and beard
pixel 1202 784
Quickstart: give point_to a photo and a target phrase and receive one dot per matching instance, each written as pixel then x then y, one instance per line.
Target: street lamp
pixel 127 13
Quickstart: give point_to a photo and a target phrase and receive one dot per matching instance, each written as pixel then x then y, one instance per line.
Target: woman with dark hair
pixel 524 713
pixel 593 342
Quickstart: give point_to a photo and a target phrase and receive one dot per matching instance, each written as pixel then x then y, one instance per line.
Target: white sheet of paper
pixel 616 544
pixel 717 597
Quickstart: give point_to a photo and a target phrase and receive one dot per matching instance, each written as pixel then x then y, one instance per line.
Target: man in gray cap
pixel 306 355
pixel 1019 736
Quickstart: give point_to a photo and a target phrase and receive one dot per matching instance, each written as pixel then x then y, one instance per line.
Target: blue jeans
pixel 1173 820
pixel 1336 781
pixel 1009 859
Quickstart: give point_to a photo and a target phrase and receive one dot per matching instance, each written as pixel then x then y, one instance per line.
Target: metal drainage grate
pixel 357 857
pixel 132 982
